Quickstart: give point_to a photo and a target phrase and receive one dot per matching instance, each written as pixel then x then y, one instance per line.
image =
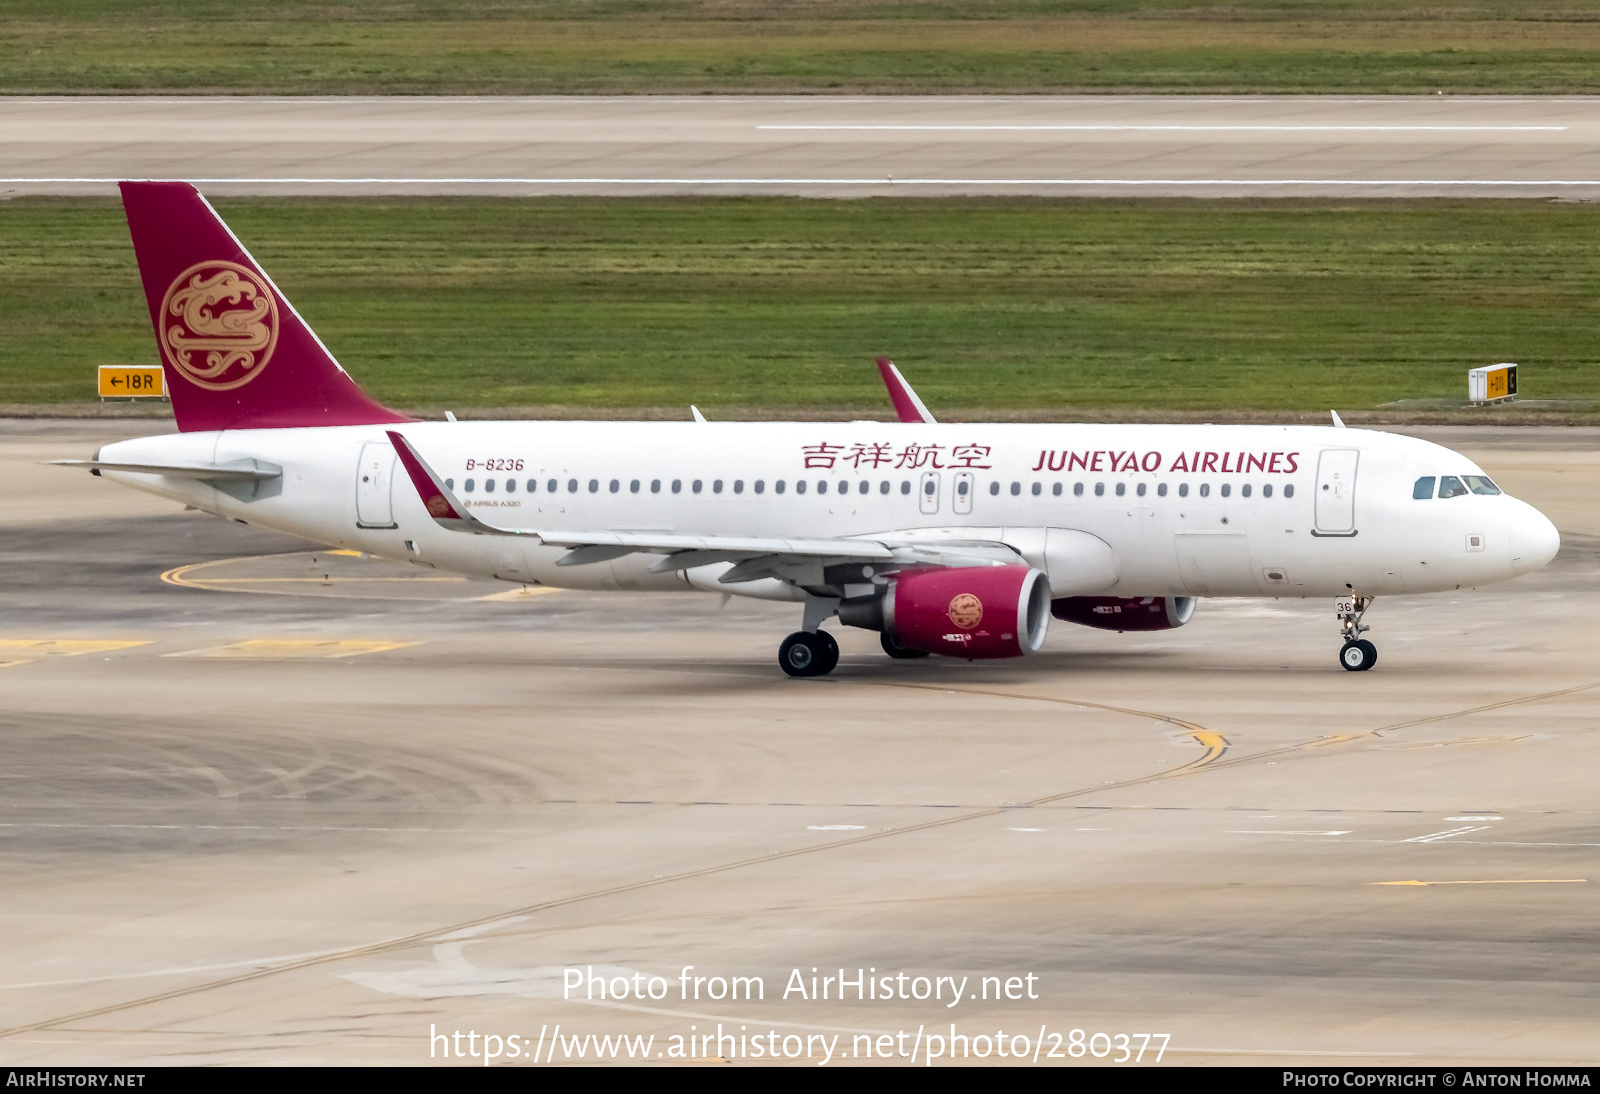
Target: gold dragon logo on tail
pixel 219 324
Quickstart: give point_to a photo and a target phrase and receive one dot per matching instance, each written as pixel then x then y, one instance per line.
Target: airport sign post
pixel 1492 384
pixel 132 382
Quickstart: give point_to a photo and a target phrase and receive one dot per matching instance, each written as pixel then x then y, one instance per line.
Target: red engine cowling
pixel 1125 613
pixel 970 611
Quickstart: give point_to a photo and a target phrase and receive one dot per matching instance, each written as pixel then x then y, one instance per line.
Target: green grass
pixel 917 46
pixel 778 303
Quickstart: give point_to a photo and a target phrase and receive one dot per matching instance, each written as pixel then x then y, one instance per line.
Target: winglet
pixel 1338 422
pixel 442 504
pixel 906 404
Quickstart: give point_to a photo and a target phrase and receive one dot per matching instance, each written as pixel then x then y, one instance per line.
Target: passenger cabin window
pixel 655 486
pixel 614 487
pixel 778 486
pixel 883 487
pixel 594 486
pixel 905 486
pixel 533 486
pixel 822 486
pixel 1122 488
pixel 511 486
pixel 1016 488
pixel 471 486
pixel 488 486
pixel 449 484
pixel 1036 489
pixel 1288 491
pixel 1244 491
pixel 1423 490
pixel 552 486
pixel 1161 490
pixel 1140 489
pixel 1056 490
pixel 866 487
pixel 1099 489
pixel 716 486
pixel 572 486
pixel 696 485
pixel 994 488
pixel 1452 487
pixel 1266 491
pixel 1183 490
pixel 1226 489
pixel 1480 484
pixel 677 486
pixel 1077 489
pixel 799 486
pixel 1205 490
pixel 633 486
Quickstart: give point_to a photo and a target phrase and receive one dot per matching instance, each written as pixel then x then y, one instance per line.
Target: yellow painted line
pixel 1507 881
pixel 65 647
pixel 317 580
pixel 519 594
pixel 281 649
pixel 13 664
pixel 346 554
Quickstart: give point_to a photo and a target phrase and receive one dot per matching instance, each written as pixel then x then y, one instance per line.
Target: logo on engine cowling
pixel 966 611
pixel 218 324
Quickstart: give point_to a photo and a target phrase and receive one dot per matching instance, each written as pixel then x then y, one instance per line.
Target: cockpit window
pixel 1451 487
pixel 1480 484
pixel 1424 488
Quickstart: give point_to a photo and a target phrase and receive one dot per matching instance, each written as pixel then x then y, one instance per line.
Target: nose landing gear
pixel 1357 654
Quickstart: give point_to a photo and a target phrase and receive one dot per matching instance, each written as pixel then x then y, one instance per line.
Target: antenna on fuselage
pixel 699 417
pixel 1338 422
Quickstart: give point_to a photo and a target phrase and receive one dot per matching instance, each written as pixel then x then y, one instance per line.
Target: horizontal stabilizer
pixel 234 471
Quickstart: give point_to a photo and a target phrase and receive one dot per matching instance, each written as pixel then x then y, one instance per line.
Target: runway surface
pixel 814 146
pixel 260 804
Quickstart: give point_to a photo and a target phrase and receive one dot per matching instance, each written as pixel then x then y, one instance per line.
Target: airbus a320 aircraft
pixel 961 540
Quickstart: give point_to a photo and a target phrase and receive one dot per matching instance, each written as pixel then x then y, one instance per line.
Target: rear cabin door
pixel 374 477
pixel 1336 492
pixel 928 492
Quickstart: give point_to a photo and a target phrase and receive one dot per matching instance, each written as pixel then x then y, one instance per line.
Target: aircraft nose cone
pixel 1534 540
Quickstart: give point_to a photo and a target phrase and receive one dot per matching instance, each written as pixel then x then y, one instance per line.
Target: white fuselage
pixel 1185 510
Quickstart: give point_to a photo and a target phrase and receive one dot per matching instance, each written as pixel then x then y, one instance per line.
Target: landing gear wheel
pixel 1358 656
pixel 893 648
pixel 808 653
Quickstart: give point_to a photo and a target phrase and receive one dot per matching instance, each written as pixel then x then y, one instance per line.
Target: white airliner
pixel 962 540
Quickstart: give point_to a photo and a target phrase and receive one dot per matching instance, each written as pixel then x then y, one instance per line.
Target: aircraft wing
pixel 755 556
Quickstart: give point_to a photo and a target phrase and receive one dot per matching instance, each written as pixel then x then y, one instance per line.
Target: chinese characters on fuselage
pixel 975 457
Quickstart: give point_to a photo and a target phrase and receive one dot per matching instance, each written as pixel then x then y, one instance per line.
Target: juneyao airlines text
pixel 849 985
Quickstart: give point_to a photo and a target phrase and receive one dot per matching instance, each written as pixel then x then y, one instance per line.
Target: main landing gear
pixel 1357 654
pixel 808 653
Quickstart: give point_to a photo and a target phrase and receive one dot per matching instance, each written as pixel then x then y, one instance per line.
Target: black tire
pixel 893 648
pixel 830 652
pixel 805 653
pixel 1358 656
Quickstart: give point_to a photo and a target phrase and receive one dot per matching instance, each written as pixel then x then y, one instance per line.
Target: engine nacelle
pixel 967 611
pixel 1125 613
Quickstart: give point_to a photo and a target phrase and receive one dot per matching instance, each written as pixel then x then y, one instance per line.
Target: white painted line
pixel 1475 817
pixel 812 182
pixel 1435 837
pixel 835 827
pixel 1188 128
pixel 1275 832
pixel 1024 829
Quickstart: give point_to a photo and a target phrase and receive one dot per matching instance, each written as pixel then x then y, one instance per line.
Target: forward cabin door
pixel 1336 492
pixel 374 478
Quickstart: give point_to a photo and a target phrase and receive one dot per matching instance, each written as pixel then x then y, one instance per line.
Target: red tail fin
pixel 236 353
